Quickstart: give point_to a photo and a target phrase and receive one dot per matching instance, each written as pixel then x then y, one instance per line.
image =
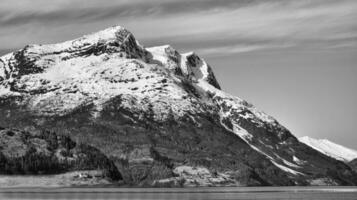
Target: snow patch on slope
pixel 329 148
pixel 244 135
pixel 298 161
pixel 287 169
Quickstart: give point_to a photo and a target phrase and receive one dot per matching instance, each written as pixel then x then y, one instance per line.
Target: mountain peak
pixel 33 59
pixel 115 35
pixel 198 67
pixel 111 33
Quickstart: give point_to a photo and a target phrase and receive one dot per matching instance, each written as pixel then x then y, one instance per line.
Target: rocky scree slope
pixel 159 115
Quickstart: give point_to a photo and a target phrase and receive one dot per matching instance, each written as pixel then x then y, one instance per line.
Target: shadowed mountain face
pixel 29 153
pixel 159 115
pixel 353 164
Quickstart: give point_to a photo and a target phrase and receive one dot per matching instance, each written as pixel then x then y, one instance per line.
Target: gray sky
pixel 296 60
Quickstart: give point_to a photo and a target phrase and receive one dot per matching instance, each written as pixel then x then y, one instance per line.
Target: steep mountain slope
pixel 159 115
pixel 331 149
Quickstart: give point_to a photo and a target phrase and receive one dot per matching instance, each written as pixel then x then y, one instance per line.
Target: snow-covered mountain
pixel 159 115
pixel 329 148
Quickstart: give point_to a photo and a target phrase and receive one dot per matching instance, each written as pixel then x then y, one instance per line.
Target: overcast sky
pixel 294 59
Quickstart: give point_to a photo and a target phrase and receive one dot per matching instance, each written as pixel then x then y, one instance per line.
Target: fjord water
pixel 223 193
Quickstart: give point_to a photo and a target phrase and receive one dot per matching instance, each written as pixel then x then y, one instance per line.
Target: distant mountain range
pixel 160 117
pixel 339 152
pixel 331 149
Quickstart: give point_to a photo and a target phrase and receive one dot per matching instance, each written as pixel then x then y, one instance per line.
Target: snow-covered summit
pixel 189 65
pixel 331 149
pixel 57 78
pixel 115 35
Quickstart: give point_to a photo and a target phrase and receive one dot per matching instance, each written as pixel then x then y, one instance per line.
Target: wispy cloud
pixel 206 26
pixel 226 50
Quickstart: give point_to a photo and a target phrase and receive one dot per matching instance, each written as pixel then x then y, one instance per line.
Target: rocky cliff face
pixel 159 115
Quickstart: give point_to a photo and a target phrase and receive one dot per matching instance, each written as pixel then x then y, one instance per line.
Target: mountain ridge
pixel 159 115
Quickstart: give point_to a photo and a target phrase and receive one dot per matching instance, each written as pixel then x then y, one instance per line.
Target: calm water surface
pixel 222 193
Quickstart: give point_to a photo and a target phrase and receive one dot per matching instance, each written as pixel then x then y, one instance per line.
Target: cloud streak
pixel 206 26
